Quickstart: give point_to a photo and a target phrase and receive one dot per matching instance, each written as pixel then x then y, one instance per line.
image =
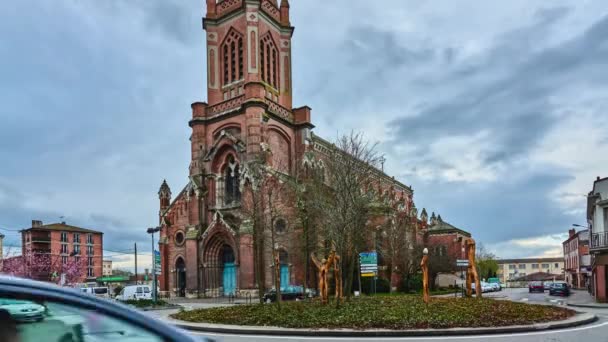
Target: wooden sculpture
pixel 472 275
pixel 323 269
pixel 338 278
pixel 425 275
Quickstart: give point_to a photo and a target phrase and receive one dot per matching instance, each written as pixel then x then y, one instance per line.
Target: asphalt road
pixel 597 331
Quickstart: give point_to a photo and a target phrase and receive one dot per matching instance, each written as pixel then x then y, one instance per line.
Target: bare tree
pixel 265 191
pixel 350 164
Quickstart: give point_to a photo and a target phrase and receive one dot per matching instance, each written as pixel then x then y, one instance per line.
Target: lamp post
pixel 151 231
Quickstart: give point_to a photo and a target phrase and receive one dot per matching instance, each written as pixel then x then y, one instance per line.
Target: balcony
pixel 599 241
pixel 41 239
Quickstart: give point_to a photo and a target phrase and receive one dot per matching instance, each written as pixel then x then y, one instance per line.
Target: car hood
pixel 22 308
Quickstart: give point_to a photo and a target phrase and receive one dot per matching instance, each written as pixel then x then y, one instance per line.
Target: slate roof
pixel 63 227
pixel 442 227
pixel 528 260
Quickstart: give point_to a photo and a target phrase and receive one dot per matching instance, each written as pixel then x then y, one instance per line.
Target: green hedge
pixel 144 303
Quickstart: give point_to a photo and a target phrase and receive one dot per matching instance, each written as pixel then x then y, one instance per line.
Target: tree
pixel 487 266
pixel 346 209
pixel 399 244
pixel 265 191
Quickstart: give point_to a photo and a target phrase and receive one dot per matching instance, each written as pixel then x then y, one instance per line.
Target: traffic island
pixel 382 316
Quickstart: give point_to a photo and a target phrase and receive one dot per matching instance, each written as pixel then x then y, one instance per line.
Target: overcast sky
pixel 494 111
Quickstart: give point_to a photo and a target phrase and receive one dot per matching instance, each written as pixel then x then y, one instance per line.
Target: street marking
pixel 373 338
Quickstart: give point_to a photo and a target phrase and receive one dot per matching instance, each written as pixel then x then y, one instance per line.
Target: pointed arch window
pixel 232 59
pixel 269 61
pixel 232 192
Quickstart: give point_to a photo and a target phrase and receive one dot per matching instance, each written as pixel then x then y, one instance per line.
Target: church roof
pixel 442 227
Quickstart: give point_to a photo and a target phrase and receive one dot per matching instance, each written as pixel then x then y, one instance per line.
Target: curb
pixel 578 320
pixel 592 306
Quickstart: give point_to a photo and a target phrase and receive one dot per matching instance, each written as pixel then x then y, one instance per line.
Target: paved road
pixel 590 333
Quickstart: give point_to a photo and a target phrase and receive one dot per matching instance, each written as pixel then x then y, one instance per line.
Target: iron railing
pixel 599 240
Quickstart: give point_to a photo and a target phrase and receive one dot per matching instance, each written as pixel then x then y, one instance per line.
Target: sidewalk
pixel 582 298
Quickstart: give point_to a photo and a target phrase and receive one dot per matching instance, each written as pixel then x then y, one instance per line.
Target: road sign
pixel 368 258
pixel 462 262
pixel 157 262
pixel 368 262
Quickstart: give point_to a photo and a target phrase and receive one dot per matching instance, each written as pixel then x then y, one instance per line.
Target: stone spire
pixel 424 217
pixel 164 194
pixel 285 12
pixel 433 219
pixel 439 219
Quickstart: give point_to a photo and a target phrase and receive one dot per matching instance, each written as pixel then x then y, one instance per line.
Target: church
pixel 205 250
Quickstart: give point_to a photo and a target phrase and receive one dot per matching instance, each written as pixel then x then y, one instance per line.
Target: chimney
pixel 36 223
pixel 571 232
pixel 598 178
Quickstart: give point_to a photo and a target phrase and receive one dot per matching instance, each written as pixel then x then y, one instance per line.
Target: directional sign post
pixel 157 268
pixel 369 265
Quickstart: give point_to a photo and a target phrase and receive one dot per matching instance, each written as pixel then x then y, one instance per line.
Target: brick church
pixel 204 246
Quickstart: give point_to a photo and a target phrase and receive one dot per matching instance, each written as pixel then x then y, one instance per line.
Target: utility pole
pixel 151 231
pixel 136 282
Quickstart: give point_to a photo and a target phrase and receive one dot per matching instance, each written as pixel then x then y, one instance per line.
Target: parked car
pixel 77 316
pixel 495 281
pixel 288 293
pixel 559 289
pixel 536 286
pixel 485 287
pixel 547 285
pixel 135 292
pixel 23 310
pixel 496 286
pixel 102 292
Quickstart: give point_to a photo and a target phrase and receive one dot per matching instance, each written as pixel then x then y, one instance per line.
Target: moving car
pixel 23 310
pixel 559 289
pixel 547 285
pixel 536 286
pixel 75 316
pixel 135 292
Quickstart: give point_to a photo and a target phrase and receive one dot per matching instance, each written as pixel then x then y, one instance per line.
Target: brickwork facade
pixel 206 241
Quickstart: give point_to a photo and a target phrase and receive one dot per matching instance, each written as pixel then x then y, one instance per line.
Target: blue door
pixel 284 276
pixel 229 278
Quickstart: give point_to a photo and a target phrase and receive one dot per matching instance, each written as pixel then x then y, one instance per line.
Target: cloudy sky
pixel 495 112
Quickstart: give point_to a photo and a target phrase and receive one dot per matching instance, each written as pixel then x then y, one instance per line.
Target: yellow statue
pixel 425 275
pixel 323 269
pixel 472 275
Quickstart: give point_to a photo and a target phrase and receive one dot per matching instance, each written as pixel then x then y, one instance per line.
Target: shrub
pixel 382 285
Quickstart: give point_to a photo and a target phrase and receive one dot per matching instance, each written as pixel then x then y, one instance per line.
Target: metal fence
pixel 599 240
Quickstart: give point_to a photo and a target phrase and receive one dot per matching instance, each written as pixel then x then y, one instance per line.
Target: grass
pixel 386 312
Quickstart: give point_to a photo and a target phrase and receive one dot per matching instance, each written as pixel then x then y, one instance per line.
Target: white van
pixel 96 291
pixel 135 292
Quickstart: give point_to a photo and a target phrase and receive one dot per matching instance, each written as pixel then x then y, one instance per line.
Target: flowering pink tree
pixel 44 267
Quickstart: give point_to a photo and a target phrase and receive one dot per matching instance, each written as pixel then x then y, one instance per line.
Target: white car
pixel 96 291
pixel 23 310
pixel 135 292
pixel 485 287
pixel 496 286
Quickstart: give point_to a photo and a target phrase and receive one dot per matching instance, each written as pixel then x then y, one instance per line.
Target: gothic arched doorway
pixel 284 261
pixel 180 277
pixel 228 271
pixel 220 266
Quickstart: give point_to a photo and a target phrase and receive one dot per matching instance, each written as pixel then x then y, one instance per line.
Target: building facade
pixel 577 261
pixel 597 218
pixel 512 269
pixel 61 246
pixel 205 239
pixel 107 268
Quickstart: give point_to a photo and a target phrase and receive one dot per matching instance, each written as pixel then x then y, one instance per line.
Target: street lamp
pixel 151 231
pixel 578 225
